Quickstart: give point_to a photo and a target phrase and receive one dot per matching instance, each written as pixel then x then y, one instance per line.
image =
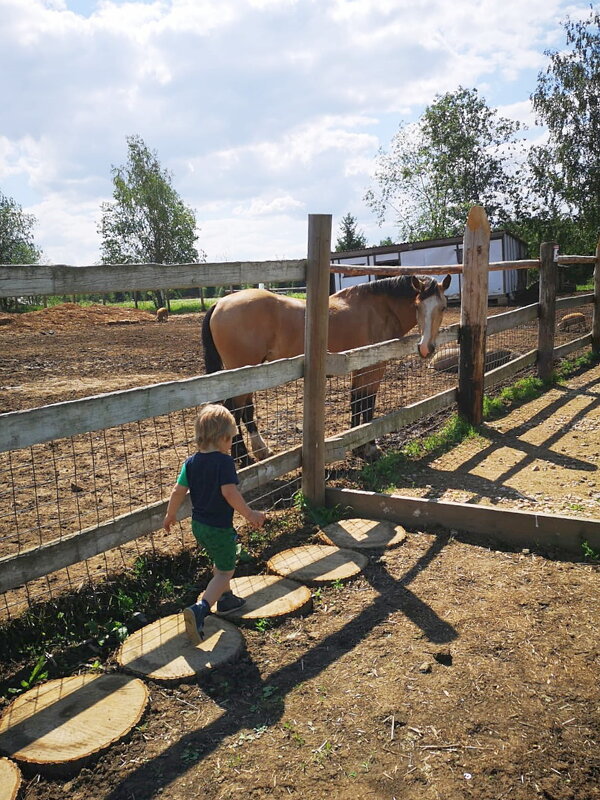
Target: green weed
pixel 589 553
pixel 37 675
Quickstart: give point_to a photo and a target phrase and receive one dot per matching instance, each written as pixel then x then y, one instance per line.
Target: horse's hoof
pixel 368 452
pixel 260 455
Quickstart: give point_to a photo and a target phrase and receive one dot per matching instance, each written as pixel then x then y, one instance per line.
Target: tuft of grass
pixel 320 515
pixel 382 475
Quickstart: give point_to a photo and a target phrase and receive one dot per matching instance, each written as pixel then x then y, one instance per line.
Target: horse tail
pixel 212 359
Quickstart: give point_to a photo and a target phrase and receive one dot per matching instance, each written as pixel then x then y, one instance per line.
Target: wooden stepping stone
pixel 363 533
pixel 10 779
pixel 162 650
pixel 317 564
pixel 269 596
pixel 63 722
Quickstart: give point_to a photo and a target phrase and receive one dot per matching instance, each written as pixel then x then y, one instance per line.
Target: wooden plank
pixel 20 429
pixel 506 371
pixel 349 360
pixel 547 310
pixel 60 279
pixel 473 316
pixel 511 319
pixel 315 338
pixel 574 301
pixel 436 269
pixel 513 528
pixel 564 261
pixel 354 437
pixel 569 347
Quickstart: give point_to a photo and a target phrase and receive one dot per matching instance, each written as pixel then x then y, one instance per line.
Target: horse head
pixel 431 303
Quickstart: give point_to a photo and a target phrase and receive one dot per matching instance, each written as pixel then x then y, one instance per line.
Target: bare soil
pixel 447 670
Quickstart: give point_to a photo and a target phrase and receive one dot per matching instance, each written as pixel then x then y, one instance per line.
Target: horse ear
pixel 446 282
pixel 417 283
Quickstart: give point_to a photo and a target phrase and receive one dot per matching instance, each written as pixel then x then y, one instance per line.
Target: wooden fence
pixel 24 428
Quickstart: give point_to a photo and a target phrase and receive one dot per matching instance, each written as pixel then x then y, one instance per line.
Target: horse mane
pixel 399 286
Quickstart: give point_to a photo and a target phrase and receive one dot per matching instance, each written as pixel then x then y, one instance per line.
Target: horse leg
pixel 260 450
pixel 238 447
pixel 362 402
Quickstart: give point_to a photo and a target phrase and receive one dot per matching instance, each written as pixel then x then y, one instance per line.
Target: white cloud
pixel 264 110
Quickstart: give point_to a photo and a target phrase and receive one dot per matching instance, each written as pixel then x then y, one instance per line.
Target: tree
pixel 147 222
pixel 349 238
pixel 17 245
pixel 457 155
pixel 565 172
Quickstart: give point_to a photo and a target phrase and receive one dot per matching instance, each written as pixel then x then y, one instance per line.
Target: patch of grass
pixel 320 515
pixel 57 631
pixel 382 475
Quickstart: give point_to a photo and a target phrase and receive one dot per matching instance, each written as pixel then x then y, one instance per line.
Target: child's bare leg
pixel 218 584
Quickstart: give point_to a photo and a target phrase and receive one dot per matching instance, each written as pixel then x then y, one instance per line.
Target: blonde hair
pixel 213 424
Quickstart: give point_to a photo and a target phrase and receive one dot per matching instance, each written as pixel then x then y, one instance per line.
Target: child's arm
pixel 235 499
pixel 177 497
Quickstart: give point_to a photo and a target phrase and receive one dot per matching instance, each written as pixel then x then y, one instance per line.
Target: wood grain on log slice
pixel 317 564
pixel 10 779
pixel 162 650
pixel 363 534
pixel 67 720
pixel 269 596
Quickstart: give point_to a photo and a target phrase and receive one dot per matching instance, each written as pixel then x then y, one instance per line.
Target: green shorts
pixel 220 544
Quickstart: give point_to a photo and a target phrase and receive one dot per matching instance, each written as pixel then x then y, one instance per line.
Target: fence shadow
pixel 394 595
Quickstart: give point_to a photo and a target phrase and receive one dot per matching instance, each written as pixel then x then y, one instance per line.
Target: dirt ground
pixel 448 670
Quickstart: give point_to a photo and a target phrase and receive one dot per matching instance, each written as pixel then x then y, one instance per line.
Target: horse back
pixel 254 325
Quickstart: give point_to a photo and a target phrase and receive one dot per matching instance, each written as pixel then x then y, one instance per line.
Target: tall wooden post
pixel 315 351
pixel 596 312
pixel 473 316
pixel 547 310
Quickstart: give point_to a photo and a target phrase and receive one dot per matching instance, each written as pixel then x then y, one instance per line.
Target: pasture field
pixel 448 670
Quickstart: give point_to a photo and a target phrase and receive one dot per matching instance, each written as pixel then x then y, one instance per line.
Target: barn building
pixel 503 285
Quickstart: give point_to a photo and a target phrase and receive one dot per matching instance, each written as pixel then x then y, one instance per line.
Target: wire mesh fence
pixel 53 490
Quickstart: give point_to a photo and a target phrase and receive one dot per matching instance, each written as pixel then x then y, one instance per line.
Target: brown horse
pixel 253 326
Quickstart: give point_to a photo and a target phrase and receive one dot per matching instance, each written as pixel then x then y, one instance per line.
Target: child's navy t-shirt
pixel 204 474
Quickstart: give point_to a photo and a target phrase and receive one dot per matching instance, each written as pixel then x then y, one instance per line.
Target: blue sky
pixel 264 111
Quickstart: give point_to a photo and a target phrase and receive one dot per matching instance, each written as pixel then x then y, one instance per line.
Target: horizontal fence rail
pixel 20 429
pixel 58 279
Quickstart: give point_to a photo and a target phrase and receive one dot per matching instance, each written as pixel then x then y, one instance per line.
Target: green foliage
pixel 320 515
pixel 16 240
pixel 38 674
pixel 147 222
pixel 589 553
pixel 349 238
pixel 455 156
pixel 563 199
pixel 382 475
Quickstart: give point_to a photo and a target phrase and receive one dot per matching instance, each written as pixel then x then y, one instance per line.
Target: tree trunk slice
pixel 269 596
pixel 10 779
pixel 363 534
pixel 65 721
pixel 317 564
pixel 163 652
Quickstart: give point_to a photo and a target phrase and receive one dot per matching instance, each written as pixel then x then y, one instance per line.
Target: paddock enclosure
pixel 84 481
pixel 451 661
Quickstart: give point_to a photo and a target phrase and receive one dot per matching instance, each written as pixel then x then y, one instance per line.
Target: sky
pixel 263 111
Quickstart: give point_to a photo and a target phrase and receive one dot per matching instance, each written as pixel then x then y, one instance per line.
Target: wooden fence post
pixel 547 310
pixel 596 313
pixel 473 316
pixel 315 351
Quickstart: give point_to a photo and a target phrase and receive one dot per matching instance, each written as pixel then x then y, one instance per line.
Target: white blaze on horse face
pixel 429 319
